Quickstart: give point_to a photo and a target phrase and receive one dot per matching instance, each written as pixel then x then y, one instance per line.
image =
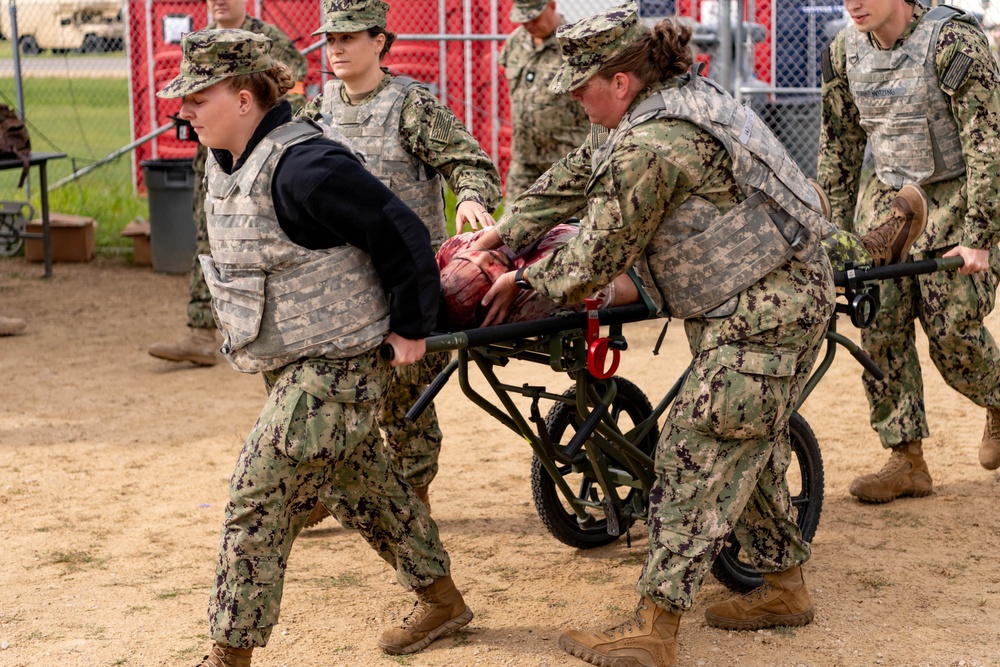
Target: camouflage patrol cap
pixel 591 42
pixel 213 55
pixel 522 11
pixel 352 15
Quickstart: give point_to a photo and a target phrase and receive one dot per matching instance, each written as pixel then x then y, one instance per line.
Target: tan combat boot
pixel 11 325
pixel 890 242
pixel 648 639
pixel 424 493
pixel 989 449
pixel 782 600
pixel 439 610
pixel 225 656
pixel 197 345
pixel 317 515
pixel 905 474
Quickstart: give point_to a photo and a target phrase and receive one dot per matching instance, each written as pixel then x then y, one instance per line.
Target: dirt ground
pixel 114 470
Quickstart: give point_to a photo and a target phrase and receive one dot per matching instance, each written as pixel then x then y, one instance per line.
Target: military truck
pixel 85 26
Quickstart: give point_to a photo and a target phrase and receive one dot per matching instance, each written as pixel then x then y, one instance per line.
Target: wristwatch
pixel 520 281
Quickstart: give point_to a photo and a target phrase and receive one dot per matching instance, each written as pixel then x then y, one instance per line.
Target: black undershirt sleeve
pixel 324 197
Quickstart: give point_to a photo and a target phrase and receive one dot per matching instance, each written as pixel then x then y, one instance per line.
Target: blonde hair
pixel 267 87
pixel 660 54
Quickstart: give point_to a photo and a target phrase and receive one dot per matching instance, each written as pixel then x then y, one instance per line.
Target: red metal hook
pixel 597 347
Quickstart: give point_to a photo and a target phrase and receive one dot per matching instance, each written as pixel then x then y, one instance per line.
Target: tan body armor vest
pixel 373 129
pixel 276 301
pixel 780 218
pixel 911 131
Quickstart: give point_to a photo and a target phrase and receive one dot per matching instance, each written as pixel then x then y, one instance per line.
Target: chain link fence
pixel 86 72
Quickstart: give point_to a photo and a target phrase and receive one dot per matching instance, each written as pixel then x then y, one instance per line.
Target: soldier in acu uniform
pixel 200 343
pixel 921 88
pixel 411 141
pixel 314 263
pixel 545 125
pixel 679 196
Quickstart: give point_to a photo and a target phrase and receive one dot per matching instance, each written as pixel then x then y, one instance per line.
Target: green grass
pixel 7 51
pixel 86 119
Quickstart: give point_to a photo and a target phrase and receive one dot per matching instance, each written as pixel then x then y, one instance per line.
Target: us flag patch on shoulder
pixel 441 129
pixel 957 72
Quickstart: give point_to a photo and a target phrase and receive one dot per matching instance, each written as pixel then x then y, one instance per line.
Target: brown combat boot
pixel 905 474
pixel 317 515
pixel 225 656
pixel 782 600
pixel 824 201
pixel 197 345
pixel 439 610
pixel 890 242
pixel 648 639
pixel 424 493
pixel 11 325
pixel 989 448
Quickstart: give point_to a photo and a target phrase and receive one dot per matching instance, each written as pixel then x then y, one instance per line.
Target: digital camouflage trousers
pixel 950 308
pixel 721 463
pixel 414 447
pixel 316 439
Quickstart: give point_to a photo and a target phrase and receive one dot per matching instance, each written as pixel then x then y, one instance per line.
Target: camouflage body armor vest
pixel 913 136
pixel 780 217
pixel 276 301
pixel 373 129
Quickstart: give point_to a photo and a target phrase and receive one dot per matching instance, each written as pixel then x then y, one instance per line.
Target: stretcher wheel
pixel 629 408
pixel 805 485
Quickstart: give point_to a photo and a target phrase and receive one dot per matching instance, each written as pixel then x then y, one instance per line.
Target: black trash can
pixel 172 234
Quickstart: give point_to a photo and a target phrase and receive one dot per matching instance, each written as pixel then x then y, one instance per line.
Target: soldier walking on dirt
pixel 921 88
pixel 200 344
pixel 545 126
pixel 314 264
pixel 412 142
pixel 671 194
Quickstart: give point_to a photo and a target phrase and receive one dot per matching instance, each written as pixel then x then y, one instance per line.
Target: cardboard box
pixel 72 238
pixel 138 231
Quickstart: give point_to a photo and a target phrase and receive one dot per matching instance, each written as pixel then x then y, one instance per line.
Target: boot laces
pixel 896 464
pixel 636 623
pixel 759 594
pixel 881 238
pixel 420 608
pixel 216 658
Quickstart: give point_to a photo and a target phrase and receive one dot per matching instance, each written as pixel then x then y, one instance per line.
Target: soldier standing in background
pixel 411 141
pixel 922 88
pixel 200 343
pixel 545 125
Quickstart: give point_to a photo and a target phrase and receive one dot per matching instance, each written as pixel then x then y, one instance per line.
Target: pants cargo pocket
pixel 736 393
pixel 258 587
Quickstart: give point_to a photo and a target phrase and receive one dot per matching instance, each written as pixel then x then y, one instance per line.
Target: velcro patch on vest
pixel 957 72
pixel 882 92
pixel 442 127
pixel 748 124
pixel 827 66
pixel 598 135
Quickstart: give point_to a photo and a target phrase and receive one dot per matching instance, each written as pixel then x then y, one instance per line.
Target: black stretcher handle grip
pixel 503 333
pixel 840 278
